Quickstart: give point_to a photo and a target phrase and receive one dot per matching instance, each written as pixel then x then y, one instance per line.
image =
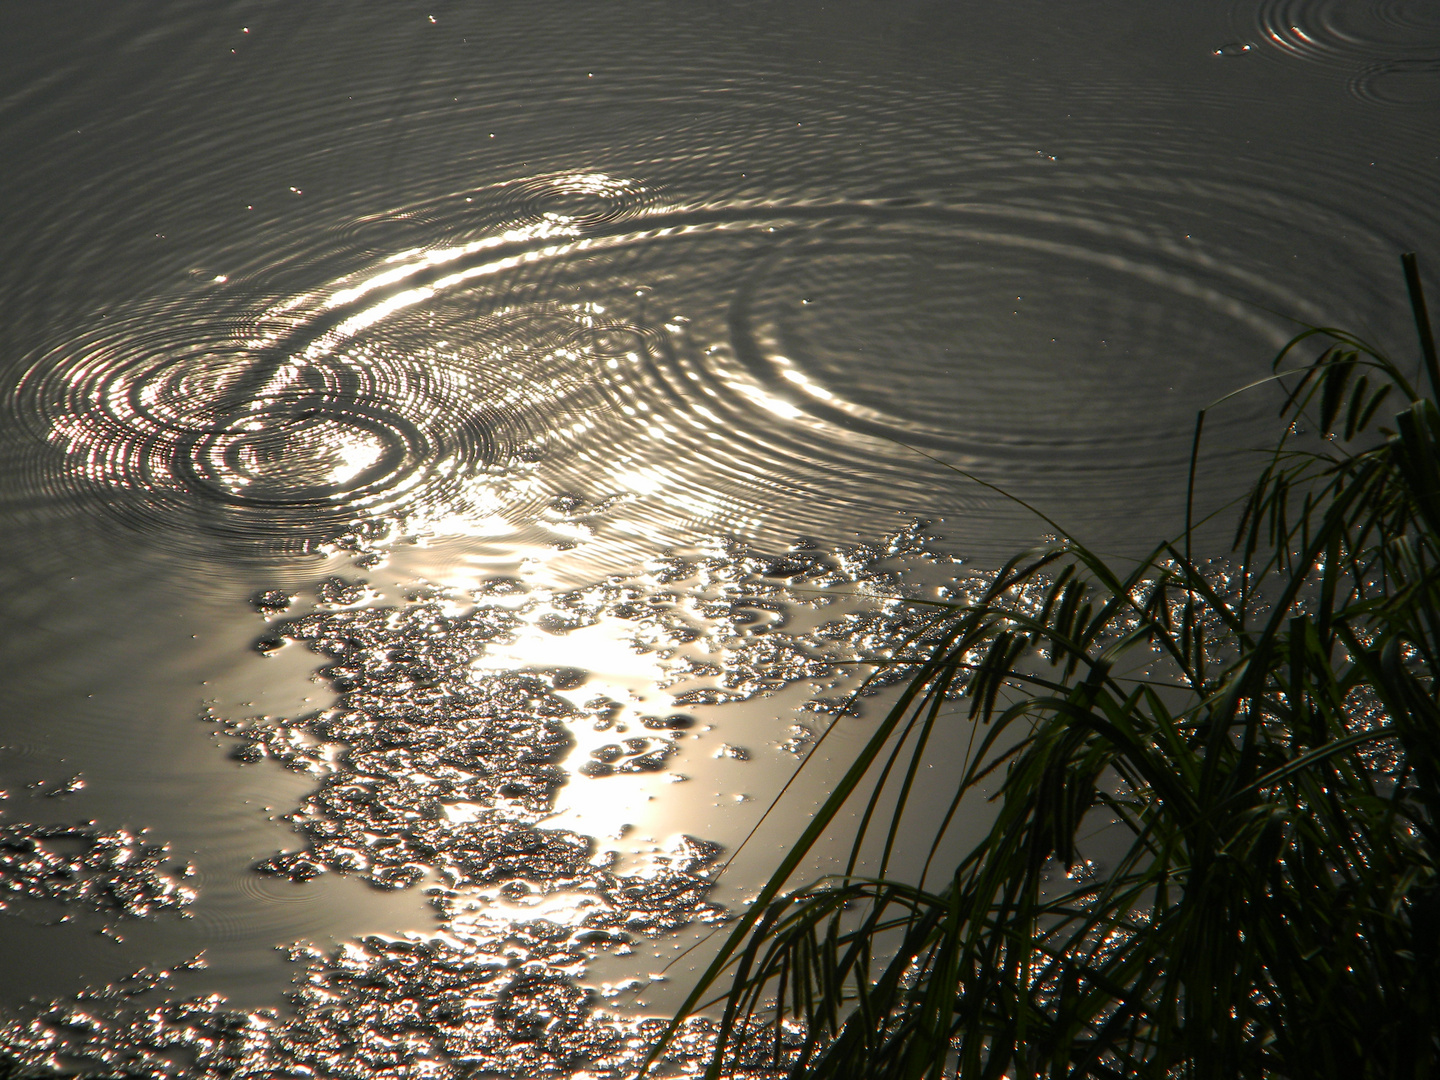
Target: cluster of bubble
pixel 382 1011
pixel 433 772
pixel 430 769
pixel 116 872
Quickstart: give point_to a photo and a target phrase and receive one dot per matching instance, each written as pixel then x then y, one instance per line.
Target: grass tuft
pixel 1252 751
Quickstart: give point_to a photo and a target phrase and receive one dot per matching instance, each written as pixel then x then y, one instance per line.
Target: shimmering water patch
pixel 400 1009
pixel 432 769
pixel 114 872
pixel 415 765
pixel 442 765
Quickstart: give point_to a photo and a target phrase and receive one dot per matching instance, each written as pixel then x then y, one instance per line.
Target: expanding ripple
pixel 1389 48
pixel 583 200
pixel 702 360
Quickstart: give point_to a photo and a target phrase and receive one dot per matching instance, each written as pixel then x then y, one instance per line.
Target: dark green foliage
pixel 1256 751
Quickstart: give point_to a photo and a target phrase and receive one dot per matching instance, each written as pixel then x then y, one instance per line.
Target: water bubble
pixel 116 872
pixel 272 601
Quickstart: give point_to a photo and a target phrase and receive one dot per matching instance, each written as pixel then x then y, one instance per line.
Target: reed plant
pixel 1251 750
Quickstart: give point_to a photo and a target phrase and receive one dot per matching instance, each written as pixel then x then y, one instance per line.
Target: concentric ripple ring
pixel 563 339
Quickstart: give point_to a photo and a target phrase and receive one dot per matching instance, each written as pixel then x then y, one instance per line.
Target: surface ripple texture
pixel 561 332
pixel 452 459
pixel 1390 49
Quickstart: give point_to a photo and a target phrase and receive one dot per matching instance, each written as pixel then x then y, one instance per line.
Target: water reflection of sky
pixel 560 389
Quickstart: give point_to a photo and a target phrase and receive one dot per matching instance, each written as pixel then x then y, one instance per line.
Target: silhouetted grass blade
pixel 1255 750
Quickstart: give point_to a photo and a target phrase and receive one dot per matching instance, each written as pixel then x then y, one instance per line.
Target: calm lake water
pixel 449 455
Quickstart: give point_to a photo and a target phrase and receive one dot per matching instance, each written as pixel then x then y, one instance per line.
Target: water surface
pixel 450 456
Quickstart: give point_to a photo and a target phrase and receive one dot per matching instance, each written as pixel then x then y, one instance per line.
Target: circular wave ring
pixel 295 449
pixel 580 200
pixel 1031 333
pixel 1400 82
pixel 1348 33
pixel 306 453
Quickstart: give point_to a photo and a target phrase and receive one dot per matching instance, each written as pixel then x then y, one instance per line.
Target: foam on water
pixel 441 766
pixel 116 872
